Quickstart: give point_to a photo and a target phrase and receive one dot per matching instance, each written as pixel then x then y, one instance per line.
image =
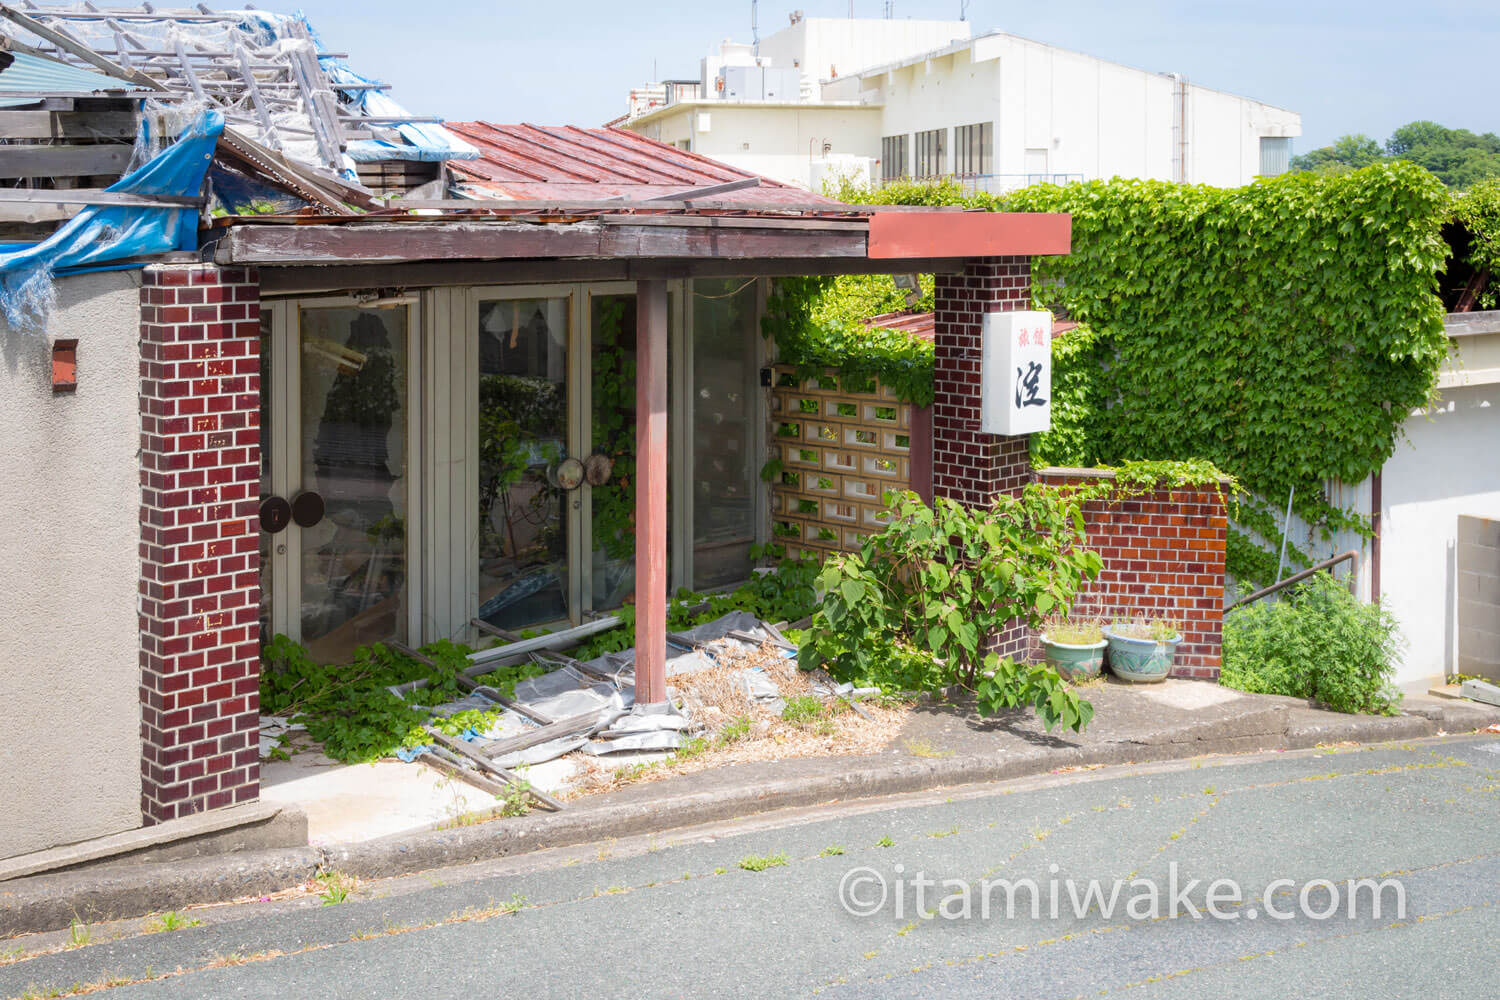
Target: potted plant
pixel 1143 650
pixel 1074 647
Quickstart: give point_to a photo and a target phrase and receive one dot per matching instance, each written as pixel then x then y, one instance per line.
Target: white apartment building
pixel 886 99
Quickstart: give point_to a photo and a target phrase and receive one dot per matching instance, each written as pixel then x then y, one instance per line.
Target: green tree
pixel 1458 157
pixel 1349 153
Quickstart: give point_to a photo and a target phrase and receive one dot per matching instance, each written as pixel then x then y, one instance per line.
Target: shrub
pixel 938 581
pixel 1316 642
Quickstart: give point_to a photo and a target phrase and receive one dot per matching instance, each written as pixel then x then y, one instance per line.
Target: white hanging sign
pixel 1016 373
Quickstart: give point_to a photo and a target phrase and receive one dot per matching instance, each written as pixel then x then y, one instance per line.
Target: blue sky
pixel 1346 67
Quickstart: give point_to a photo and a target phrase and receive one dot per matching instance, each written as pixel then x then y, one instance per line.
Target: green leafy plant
pixel 337 887
pixel 831 851
pixel 758 863
pixel 516 801
pixel 787 593
pixel 171 921
pixel 802 708
pixel 816 327
pixel 943 580
pixel 885 841
pixel 1283 330
pixel 1317 641
pixel 347 706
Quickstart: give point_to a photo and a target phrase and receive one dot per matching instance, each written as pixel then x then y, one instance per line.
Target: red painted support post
pixel 651 493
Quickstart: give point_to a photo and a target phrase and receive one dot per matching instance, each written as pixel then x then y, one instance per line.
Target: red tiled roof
pixel 534 162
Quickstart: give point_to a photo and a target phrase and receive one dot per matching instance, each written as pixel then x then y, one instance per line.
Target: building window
pixel 893 157
pixel 932 150
pixel 1275 155
pixel 972 156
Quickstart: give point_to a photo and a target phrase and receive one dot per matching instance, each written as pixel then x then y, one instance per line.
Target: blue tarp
pixel 107 234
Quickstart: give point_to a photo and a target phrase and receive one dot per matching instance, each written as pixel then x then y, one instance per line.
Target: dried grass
pixel 716 697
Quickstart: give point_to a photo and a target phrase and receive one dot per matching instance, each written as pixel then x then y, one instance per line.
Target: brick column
pixel 200 564
pixel 968 465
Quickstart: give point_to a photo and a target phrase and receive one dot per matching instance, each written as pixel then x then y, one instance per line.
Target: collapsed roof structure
pixel 83 81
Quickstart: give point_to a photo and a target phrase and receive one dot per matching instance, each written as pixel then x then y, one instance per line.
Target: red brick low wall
pixel 1163 558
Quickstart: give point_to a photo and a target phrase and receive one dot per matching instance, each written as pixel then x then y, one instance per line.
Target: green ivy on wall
pixel 815 326
pixel 1283 330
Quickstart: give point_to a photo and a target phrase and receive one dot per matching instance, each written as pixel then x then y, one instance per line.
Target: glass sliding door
pixel 353 388
pixel 724 475
pixel 523 435
pixel 612 355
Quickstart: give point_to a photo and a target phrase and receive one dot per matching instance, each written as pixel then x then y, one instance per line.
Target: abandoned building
pixel 280 357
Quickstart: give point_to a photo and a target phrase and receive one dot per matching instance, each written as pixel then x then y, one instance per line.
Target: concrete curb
pixel 49 902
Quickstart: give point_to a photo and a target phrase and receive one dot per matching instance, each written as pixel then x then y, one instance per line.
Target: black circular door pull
pixel 275 514
pixel 307 509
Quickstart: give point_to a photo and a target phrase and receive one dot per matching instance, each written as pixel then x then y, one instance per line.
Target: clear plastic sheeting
pixel 102 236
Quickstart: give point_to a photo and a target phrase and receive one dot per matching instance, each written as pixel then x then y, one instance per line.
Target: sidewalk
pixel 942 744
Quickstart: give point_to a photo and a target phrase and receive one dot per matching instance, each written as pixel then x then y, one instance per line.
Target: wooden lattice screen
pixel 840 452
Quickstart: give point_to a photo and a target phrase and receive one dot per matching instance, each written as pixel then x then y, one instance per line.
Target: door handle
pixel 307 509
pixel 275 514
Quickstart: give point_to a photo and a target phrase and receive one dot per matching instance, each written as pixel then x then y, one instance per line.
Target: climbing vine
pixel 813 324
pixel 1283 330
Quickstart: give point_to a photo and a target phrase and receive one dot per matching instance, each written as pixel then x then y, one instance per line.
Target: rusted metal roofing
pixel 918 324
pixel 534 162
pixel 921 324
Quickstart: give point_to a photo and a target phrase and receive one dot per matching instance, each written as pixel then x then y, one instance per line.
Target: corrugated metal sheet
pixel 920 324
pixel 566 162
pixel 23 73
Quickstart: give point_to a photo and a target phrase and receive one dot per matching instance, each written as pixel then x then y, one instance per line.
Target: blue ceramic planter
pixel 1143 661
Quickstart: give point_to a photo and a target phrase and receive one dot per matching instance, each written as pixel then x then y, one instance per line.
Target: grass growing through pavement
pixel 755 863
pixel 171 921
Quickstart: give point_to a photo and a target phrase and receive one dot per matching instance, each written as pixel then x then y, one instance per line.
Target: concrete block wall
pixel 1478 586
pixel 200 573
pixel 841 452
pixel 1163 558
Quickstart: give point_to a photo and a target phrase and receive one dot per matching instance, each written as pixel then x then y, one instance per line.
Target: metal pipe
pixel 1295 577
pixel 1286 527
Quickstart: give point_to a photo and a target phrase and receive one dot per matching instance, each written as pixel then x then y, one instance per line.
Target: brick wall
pixel 969 465
pixel 1163 558
pixel 200 573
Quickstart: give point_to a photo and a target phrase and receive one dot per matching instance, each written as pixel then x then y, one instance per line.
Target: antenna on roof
pixel 890 9
pixel 755 25
pixel 963 10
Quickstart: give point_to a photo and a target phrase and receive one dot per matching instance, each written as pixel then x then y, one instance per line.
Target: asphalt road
pixel 680 917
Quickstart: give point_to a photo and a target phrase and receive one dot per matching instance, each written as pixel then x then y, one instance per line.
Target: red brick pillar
pixel 969 465
pixel 200 564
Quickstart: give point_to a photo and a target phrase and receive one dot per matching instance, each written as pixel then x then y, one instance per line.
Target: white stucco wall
pixel 1053 110
pixel 69 516
pixel 777 141
pixel 1448 465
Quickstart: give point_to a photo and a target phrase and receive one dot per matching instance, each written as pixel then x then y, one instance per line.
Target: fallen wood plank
pixel 94 196
pixel 465 774
pixel 63 161
pixel 68 124
pixel 460 747
pixel 571 726
pixel 498 633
